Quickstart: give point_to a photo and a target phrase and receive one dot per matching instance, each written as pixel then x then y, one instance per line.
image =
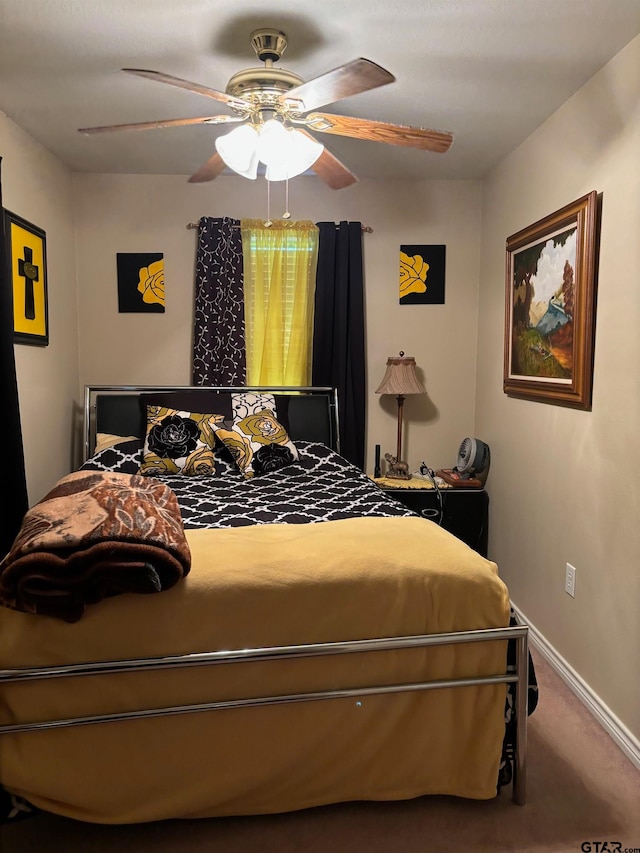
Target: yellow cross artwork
pixel 26 244
pixel 422 274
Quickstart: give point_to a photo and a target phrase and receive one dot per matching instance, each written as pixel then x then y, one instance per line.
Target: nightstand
pixel 465 512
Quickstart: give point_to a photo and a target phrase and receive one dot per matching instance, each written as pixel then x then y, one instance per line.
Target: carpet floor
pixel 581 789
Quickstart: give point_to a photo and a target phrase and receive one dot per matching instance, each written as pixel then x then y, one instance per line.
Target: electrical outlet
pixel 570 580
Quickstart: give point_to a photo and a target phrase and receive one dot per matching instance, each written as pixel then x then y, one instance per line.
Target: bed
pixel 321 644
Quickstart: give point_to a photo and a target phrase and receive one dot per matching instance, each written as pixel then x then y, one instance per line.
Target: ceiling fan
pixel 257 95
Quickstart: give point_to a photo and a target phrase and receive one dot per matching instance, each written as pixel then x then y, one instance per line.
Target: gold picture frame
pixel 27 253
pixel 550 306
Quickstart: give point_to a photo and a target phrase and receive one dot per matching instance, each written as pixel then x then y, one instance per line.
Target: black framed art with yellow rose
pixel 140 282
pixel 27 254
pixel 422 274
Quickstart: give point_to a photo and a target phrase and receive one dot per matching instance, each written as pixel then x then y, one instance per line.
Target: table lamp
pixel 400 379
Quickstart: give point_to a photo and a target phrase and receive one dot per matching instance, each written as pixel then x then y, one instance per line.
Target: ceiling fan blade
pixel 197 88
pixel 350 79
pixel 381 131
pixel 334 173
pixel 209 170
pixel 327 167
pixel 169 122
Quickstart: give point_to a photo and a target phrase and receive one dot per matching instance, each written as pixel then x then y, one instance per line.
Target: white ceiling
pixel 490 71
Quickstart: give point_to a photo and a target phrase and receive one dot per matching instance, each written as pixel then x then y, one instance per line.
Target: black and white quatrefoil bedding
pixel 320 486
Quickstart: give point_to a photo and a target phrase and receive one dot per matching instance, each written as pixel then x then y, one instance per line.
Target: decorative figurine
pixel 396 470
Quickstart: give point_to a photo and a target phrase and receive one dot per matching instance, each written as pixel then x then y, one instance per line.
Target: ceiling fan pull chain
pixel 268 223
pixel 286 214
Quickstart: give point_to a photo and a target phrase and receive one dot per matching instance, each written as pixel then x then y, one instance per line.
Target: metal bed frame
pixel 116 415
pixel 519 677
pixel 518 634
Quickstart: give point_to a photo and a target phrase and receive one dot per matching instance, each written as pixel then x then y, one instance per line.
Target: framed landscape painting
pixel 550 307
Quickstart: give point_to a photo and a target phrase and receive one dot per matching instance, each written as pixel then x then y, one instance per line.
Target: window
pixel 279 290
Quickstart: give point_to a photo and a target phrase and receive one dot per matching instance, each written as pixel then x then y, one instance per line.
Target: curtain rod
pixel 366 228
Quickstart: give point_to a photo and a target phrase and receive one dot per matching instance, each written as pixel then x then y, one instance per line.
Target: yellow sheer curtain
pixel 280 265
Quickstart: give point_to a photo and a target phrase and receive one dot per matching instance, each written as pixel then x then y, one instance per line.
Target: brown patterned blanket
pixel 94 535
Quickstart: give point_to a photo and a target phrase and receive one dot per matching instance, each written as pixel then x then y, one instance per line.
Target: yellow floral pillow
pixel 178 442
pixel 258 443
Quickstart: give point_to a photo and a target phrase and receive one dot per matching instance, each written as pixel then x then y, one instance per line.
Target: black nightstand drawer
pixel 465 512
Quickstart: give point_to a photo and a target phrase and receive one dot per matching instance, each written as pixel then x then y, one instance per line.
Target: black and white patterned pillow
pixel 124 457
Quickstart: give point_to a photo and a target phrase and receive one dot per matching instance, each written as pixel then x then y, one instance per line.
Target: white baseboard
pixel 627 742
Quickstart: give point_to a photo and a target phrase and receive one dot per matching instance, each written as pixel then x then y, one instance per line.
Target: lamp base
pixel 396 470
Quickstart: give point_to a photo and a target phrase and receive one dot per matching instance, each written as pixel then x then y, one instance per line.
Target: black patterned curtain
pixel 14 483
pixel 338 337
pixel 219 340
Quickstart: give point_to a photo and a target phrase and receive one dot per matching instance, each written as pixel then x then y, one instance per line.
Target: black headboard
pixel 312 412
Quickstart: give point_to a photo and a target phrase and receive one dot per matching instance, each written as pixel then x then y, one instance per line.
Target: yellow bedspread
pixel 263 586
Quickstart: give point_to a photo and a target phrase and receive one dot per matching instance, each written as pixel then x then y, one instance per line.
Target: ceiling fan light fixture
pixel 238 149
pixel 286 152
pixel 272 142
pixel 305 152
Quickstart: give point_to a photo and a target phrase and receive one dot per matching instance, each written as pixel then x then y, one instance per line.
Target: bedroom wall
pixel 37 187
pixel 564 484
pixel 131 213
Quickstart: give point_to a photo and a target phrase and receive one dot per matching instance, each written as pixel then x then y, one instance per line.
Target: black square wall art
pixel 140 282
pixel 422 275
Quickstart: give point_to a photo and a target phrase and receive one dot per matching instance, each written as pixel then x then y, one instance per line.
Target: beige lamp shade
pixel 400 377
